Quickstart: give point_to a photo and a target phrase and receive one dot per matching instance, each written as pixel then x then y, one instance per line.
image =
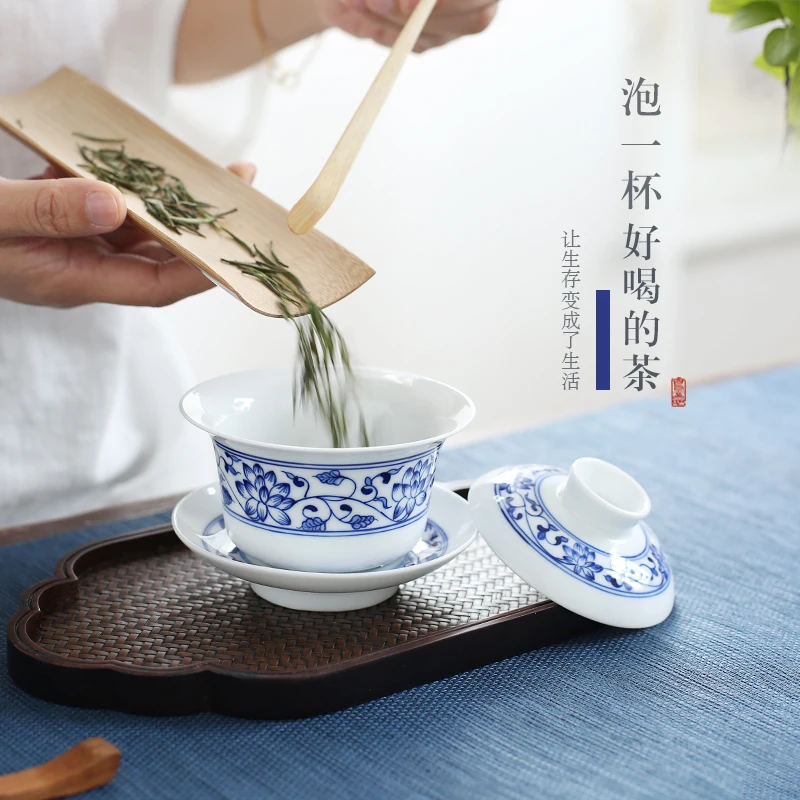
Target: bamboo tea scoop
pixel 92 763
pixel 46 116
pixel 311 207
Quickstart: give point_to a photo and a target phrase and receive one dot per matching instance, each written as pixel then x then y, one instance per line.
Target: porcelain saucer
pixel 199 525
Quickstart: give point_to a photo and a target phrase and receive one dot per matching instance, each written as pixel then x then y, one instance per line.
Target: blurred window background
pixel 487 150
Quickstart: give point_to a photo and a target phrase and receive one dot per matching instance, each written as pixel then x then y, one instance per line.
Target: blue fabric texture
pixel 706 705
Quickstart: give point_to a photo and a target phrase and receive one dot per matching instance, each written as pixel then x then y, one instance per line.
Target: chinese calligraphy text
pixel 571 311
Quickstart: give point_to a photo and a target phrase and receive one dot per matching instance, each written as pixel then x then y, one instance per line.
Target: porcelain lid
pixel 579 538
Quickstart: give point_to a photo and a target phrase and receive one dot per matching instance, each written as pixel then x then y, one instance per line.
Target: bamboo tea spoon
pixel 92 763
pixel 46 118
pixel 311 207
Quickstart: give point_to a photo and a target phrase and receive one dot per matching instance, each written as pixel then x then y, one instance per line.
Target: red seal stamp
pixel 679 392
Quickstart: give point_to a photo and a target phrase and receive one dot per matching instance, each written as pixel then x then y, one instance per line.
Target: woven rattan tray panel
pixel 140 624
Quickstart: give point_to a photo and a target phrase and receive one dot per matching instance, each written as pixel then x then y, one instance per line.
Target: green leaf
pixel 761 63
pixel 726 6
pixel 782 46
pixel 791 10
pixel 794 101
pixel 755 14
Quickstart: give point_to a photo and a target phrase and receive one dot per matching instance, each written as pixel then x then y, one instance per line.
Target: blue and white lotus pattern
pixel 643 575
pixel 432 545
pixel 302 498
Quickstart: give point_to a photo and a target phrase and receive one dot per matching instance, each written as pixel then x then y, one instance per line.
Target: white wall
pixel 486 151
pixel 742 220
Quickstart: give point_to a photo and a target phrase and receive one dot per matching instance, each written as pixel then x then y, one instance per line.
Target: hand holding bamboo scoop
pixel 47 116
pixel 310 209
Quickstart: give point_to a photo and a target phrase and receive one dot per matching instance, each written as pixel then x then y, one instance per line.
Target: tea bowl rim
pixel 469 408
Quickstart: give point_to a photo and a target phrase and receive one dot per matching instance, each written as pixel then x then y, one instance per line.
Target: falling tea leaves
pixel 323 378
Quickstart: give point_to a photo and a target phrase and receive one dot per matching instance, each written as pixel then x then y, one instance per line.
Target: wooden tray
pixel 138 623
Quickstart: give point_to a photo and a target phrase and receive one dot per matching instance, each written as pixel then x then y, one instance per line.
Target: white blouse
pixel 88 396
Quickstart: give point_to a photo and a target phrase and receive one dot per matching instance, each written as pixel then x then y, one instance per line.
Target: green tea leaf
pixel 782 46
pixel 794 101
pixel 761 63
pixel 325 378
pixel 323 375
pixel 755 14
pixel 791 10
pixel 727 6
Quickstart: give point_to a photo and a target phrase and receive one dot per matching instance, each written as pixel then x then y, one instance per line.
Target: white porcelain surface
pixel 198 523
pixel 579 538
pixel 290 499
pixel 319 601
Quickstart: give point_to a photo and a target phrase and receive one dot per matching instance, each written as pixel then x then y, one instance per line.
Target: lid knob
pixel 603 496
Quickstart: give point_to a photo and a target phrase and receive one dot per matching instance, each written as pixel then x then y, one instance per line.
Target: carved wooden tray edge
pixel 168 691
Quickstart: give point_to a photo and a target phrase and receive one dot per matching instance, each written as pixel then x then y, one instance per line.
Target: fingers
pixel 127 235
pixel 246 170
pixel 75 272
pixel 428 42
pixel 52 171
pixel 149 248
pixel 145 275
pixel 381 20
pixel 135 280
pixel 53 270
pixel 141 281
pixel 407 6
pixel 59 208
pixel 364 24
pixel 466 22
pixel 49 173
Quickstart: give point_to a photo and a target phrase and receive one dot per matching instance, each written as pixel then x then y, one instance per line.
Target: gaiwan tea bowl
pixel 291 500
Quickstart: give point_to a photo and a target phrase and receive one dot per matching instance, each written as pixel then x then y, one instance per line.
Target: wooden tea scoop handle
pixel 311 207
pixel 90 764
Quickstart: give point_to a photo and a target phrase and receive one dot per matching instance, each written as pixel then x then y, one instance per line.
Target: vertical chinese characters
pixel 647 104
pixel 571 312
pixel 641 194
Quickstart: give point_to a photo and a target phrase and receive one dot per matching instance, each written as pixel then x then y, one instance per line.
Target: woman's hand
pixel 64 242
pixel 218 39
pixel 382 20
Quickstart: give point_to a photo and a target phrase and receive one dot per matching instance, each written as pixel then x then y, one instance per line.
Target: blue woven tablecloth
pixel 705 705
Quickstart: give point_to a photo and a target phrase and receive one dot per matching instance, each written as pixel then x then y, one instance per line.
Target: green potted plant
pixel 781 52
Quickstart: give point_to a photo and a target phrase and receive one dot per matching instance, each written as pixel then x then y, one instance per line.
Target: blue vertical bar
pixel 603 340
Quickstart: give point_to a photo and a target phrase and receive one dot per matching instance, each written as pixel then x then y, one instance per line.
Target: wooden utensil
pixel 92 763
pixel 311 207
pixel 46 116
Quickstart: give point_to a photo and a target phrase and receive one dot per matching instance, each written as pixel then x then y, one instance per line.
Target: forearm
pixel 218 38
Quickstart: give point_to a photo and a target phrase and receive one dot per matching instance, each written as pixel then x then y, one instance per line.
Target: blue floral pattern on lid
pixel 643 575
